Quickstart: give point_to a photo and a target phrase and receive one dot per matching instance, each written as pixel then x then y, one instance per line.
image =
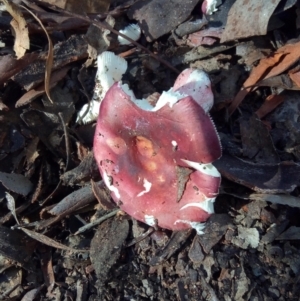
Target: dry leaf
pixel 75 200
pixel 295 77
pixel 290 55
pixel 261 70
pixel 32 94
pixel 49 61
pixel 279 82
pixel 9 66
pixel 31 151
pixel 102 195
pixel 271 102
pixel 11 206
pixel 3 107
pixel 32 294
pixel 204 37
pixel 257 74
pixel 16 183
pixel 47 268
pixel 157 17
pixel 268 67
pixel 264 178
pixel 20 29
pixel 248 18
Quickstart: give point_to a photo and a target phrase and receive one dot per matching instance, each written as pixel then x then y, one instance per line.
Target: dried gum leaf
pixel 248 18
pixel 31 151
pixel 295 77
pixel 49 61
pixel 11 205
pixel 16 183
pixel 20 28
pixel 268 67
pixel 258 73
pixel 270 103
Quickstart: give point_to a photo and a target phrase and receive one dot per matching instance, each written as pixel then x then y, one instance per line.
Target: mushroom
pixel 133 31
pixel 210 6
pixel 156 160
pixel 111 68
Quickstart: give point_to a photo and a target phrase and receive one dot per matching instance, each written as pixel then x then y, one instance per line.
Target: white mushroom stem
pixel 111 68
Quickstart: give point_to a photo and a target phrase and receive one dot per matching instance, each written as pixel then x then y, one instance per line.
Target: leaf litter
pixel 50 185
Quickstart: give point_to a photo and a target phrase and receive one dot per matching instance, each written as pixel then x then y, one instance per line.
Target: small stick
pixel 96 222
pixel 66 139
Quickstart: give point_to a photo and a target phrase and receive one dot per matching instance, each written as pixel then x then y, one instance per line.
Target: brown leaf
pixel 31 151
pixel 9 66
pixel 261 70
pixel 46 266
pixel 38 189
pixel 49 61
pixel 20 29
pixel 248 18
pixel 295 77
pixel 268 67
pixel 290 55
pixel 270 103
pixel 257 74
pixel 29 96
pixel 279 82
pixel 31 75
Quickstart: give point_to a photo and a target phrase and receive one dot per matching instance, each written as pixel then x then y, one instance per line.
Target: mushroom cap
pixel 195 83
pixel 148 159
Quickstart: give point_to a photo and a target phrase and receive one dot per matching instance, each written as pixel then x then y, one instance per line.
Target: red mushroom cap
pixel 195 83
pixel 147 158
